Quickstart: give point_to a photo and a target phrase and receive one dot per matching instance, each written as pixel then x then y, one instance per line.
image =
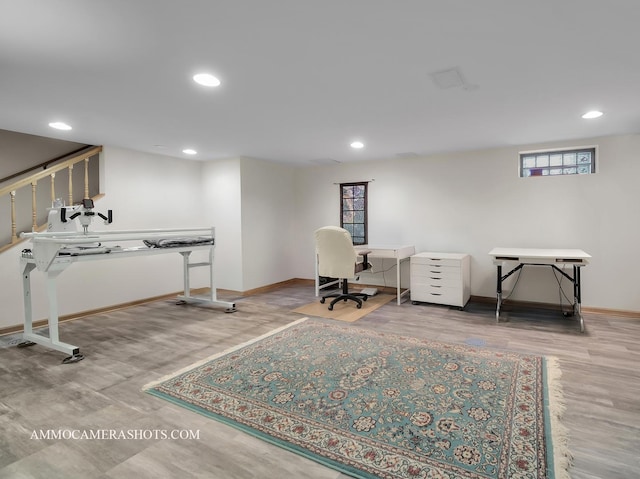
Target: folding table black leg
pixel 498 292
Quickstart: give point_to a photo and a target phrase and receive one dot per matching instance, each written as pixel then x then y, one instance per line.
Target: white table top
pixel 388 251
pixel 543 255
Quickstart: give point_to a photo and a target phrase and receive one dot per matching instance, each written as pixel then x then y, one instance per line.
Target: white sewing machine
pixel 63 244
pixel 61 217
pixel 61 220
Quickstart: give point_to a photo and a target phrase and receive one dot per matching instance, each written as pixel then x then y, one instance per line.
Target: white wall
pixel 144 191
pixel 268 228
pixel 221 206
pixel 474 201
pixel 250 203
pixel 467 202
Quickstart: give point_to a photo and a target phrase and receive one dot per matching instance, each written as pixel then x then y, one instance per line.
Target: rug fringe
pixel 217 355
pixel 560 434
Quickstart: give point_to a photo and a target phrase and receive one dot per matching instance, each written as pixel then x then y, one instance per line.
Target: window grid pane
pixel 353 207
pixel 557 163
pixel 555 160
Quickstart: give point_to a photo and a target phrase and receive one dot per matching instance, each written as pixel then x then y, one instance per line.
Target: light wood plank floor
pixel 129 348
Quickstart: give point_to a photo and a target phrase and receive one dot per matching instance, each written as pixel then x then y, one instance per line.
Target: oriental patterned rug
pixel 379 405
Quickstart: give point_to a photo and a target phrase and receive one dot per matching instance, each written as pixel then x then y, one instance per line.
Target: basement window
pixel 353 210
pixel 574 161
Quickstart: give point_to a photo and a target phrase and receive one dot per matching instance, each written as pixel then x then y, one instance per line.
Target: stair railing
pixel 32 182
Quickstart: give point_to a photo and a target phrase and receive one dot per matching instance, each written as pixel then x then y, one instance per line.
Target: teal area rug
pixel 378 405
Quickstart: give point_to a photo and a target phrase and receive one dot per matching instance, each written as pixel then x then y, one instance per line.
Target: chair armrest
pixel 365 260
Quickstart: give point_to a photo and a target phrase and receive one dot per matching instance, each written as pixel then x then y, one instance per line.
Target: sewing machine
pixel 61 217
pixel 63 244
pixel 61 220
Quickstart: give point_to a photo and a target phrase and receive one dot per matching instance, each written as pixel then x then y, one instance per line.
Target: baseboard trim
pixel 291 282
pixel 18 328
pixel 271 287
pixel 613 312
pixel 555 306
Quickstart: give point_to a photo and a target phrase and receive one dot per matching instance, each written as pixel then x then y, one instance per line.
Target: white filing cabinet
pixel 442 278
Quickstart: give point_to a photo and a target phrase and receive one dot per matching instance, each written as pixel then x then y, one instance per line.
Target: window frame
pixel 365 223
pixel 593 149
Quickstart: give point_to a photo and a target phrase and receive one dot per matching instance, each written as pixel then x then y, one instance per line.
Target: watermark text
pixel 115 434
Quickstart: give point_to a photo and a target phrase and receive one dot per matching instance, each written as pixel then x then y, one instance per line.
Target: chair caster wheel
pixel 330 308
pixel 359 306
pixel 322 300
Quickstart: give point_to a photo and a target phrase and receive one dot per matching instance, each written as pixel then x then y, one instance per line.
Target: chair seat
pixel 337 258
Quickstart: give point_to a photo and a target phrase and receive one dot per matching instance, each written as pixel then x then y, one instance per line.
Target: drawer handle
pixel 437 279
pixel 436 265
pixel 436 286
pixel 436 294
pixel 436 272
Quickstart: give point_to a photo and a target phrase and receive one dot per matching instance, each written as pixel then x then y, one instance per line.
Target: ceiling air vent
pixel 451 78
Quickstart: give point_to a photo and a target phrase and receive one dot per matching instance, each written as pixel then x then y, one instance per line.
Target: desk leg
pixel 498 292
pixel 317 277
pixel 28 311
pixel 577 295
pixel 186 297
pixel 185 273
pixel 398 291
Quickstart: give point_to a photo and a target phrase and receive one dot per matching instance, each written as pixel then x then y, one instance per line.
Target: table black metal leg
pixel 577 293
pixel 498 292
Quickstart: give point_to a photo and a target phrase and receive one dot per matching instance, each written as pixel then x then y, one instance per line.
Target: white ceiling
pixel 301 79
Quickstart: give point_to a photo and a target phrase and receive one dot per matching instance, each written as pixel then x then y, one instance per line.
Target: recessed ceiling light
pixel 357 145
pixel 206 79
pixel 189 151
pixel 58 125
pixel 592 114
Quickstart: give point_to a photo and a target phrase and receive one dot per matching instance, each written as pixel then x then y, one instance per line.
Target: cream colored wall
pixel 251 204
pixel 268 223
pixel 144 191
pixel 462 202
pixel 473 201
pixel 221 206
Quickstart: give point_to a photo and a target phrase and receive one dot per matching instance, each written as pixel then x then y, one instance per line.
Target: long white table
pixel 397 253
pixel 541 257
pixel 52 253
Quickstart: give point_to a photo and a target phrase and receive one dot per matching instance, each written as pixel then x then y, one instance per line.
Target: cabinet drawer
pixel 437 290
pixel 426 260
pixel 440 278
pixel 442 296
pixel 435 280
pixel 426 271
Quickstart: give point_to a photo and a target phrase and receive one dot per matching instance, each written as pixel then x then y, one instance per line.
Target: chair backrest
pixel 336 254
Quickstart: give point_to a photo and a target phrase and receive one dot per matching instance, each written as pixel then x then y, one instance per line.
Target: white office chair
pixel 337 258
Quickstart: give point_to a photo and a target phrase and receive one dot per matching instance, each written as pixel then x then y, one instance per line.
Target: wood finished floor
pixel 129 348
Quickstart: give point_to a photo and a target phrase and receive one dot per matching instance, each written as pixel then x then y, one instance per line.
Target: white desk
pixel 46 256
pixel 541 257
pixel 398 253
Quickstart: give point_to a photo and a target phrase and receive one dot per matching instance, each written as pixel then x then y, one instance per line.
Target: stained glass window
pixel 353 210
pixel 575 161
